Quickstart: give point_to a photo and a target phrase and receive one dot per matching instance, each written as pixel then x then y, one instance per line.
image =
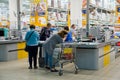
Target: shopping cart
pixel 66 57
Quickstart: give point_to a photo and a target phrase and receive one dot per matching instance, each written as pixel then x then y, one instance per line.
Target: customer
pixel 32 38
pixel 49 47
pixel 45 32
pixel 71 34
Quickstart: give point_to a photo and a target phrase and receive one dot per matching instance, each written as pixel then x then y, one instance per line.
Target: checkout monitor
pixel 1 33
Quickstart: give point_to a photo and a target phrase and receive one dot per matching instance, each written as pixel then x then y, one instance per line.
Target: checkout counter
pixel 91 55
pixel 12 50
pixel 11 45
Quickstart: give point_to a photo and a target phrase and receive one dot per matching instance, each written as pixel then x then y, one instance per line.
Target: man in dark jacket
pixel 45 32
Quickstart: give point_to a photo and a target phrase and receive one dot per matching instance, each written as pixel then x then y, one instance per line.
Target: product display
pixel 38 15
pixel 101 12
pixel 117 23
pixel 56 12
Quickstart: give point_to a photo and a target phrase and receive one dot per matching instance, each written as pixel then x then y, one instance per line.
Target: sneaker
pixel 54 70
pixel 35 67
pixel 29 67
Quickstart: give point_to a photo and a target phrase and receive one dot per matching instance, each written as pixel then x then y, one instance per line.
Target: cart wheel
pixel 76 71
pixel 60 73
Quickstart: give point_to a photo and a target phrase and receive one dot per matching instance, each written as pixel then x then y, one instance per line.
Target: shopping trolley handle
pixel 60 45
pixel 63 45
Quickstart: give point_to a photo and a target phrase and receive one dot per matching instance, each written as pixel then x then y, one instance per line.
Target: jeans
pixel 49 60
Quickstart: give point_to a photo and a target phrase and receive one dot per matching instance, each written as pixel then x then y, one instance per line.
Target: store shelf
pixel 52 9
pixel 100 15
pixel 61 24
pixel 56 9
pixel 100 8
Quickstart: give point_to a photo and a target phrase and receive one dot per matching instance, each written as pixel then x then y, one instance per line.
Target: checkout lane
pixel 91 55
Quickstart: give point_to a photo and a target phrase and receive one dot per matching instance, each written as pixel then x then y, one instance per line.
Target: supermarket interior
pixel 59 39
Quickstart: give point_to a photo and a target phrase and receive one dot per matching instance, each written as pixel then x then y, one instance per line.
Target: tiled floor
pixel 17 70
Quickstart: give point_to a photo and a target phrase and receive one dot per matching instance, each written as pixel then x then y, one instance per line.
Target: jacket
pixel 33 40
pixel 44 34
pixel 50 44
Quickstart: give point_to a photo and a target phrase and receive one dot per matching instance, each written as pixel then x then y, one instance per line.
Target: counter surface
pixel 2 42
pixel 91 45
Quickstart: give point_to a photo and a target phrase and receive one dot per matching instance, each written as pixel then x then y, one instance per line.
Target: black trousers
pixel 33 50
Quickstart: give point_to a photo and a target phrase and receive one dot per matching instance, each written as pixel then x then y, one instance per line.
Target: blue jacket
pixel 69 37
pixel 33 40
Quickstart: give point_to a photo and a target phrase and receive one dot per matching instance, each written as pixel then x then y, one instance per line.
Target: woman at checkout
pixel 49 47
pixel 32 38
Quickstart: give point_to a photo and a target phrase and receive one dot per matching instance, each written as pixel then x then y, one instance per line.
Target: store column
pixel 14 9
pixel 76 12
pixel 13 14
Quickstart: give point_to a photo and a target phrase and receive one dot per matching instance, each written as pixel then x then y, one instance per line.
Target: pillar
pixel 14 16
pixel 76 12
